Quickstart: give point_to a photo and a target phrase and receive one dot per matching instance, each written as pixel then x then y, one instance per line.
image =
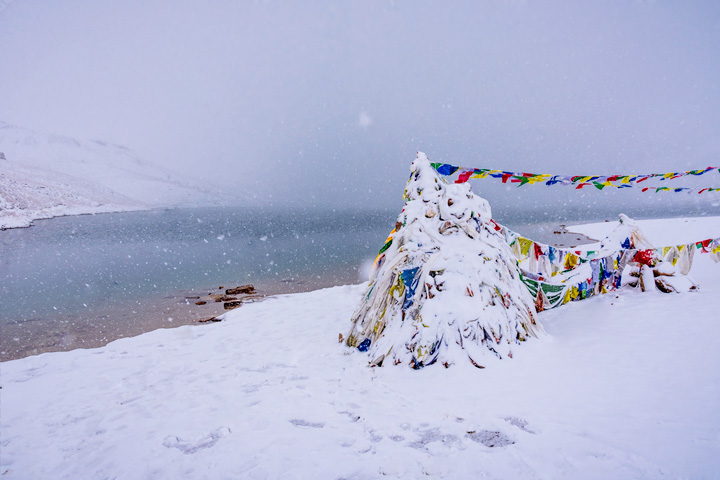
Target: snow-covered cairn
pixel 556 276
pixel 445 287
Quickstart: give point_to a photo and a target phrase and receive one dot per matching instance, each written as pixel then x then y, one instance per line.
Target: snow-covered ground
pixel 623 387
pixel 662 232
pixel 43 176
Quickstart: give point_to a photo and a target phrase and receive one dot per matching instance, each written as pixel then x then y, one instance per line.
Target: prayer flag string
pixel 556 275
pixel 578 181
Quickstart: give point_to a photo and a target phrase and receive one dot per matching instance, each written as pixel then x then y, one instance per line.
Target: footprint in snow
pixel 433 435
pixel 305 423
pixel 519 422
pixel 191 447
pixel 490 438
pixel 352 416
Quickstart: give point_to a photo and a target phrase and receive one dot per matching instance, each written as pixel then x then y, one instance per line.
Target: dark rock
pixel 231 305
pixel 242 289
pixel 223 298
pixel 211 319
pixel 201 302
pixel 664 286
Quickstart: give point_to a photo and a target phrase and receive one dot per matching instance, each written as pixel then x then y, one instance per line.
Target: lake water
pixel 81 281
pixel 65 277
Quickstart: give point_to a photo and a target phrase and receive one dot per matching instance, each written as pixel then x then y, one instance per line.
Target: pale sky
pixel 326 102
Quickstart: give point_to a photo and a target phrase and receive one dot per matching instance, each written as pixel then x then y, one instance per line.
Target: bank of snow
pixel 623 387
pixel 661 231
pixel 44 176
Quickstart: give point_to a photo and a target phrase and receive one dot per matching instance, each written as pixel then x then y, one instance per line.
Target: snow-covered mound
pixel 43 175
pixel 445 287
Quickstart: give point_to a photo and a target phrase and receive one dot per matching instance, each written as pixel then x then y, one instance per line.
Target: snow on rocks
pixel 445 288
pixel 557 276
pixel 646 266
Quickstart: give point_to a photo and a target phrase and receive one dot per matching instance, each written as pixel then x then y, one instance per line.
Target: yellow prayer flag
pixel 525 245
pixel 571 261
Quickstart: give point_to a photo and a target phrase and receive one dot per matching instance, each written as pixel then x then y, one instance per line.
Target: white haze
pixel 324 104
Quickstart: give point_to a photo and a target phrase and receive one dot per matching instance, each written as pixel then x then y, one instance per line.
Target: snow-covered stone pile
pixel 556 276
pixel 665 269
pixel 445 287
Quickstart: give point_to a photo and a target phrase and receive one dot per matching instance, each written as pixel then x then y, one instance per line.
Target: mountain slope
pixel 44 175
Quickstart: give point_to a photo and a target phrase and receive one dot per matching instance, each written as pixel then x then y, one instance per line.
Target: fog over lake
pixel 324 104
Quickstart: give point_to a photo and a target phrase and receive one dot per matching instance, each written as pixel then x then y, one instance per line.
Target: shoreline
pixel 8 222
pixel 98 328
pixel 102 209
pixel 101 326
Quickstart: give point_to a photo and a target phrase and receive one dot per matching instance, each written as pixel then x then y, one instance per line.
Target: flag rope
pixel 578 181
pixel 553 273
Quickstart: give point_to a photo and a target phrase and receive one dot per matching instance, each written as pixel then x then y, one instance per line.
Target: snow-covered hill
pixel 44 175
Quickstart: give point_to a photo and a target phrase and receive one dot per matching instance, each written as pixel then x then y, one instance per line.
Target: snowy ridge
pixel 31 193
pixel 43 176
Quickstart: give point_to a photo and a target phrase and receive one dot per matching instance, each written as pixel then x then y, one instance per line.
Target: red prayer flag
pixel 464 176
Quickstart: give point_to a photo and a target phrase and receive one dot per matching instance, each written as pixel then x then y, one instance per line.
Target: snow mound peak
pixel 445 287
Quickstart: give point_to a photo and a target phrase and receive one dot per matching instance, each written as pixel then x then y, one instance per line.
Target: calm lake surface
pixel 82 281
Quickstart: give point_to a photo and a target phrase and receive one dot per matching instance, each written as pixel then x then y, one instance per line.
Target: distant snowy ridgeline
pixel 43 176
